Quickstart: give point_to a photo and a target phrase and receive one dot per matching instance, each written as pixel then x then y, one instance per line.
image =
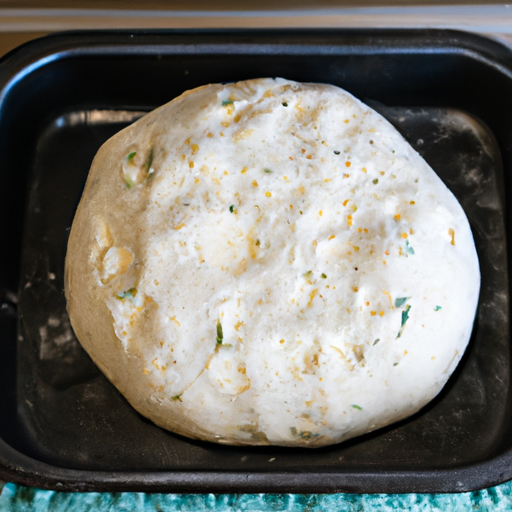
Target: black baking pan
pixel 64 426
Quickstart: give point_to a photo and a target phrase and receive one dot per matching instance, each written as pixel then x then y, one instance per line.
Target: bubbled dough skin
pixel 302 275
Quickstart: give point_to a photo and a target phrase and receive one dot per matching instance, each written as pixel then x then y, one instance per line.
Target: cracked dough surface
pixel 269 262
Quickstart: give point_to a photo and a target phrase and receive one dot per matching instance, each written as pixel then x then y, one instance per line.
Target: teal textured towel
pixel 15 498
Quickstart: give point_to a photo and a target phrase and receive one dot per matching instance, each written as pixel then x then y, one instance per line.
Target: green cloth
pixel 17 498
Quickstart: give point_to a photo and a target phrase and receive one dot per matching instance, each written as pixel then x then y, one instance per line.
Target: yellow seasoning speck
pixel 451 232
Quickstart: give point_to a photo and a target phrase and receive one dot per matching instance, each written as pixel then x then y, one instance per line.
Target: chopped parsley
pixel 176 398
pixel 306 435
pixel 284 104
pixel 400 301
pixel 336 152
pixel 437 308
pixel 129 158
pixel 232 208
pixel 358 407
pixel 375 181
pixel 227 102
pixel 408 248
pixel 149 162
pixel 258 243
pixel 128 294
pixel 220 334
pixel 376 341
pixel 128 182
pixel 267 170
pixel 405 317
pixel 323 276
pixel 395 364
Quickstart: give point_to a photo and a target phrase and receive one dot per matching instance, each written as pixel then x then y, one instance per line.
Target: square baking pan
pixel 64 426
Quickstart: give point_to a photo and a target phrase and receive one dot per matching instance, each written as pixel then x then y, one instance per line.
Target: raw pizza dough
pixel 270 262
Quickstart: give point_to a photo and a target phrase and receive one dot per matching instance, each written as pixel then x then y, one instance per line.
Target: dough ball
pixel 270 262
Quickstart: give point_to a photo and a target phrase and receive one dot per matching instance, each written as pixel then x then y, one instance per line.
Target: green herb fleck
pixel 400 301
pixel 395 364
pixel 128 294
pixel 129 158
pixel 437 308
pixel 308 274
pixel 376 341
pixel 258 243
pixel 336 152
pixel 405 317
pixel 284 104
pixel 231 208
pixel 128 182
pixel 227 102
pixel 268 171
pixel 149 162
pixel 323 276
pixel 408 248
pixel 306 435
pixel 375 181
pixel 220 335
pixel 358 407
pixel 176 398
